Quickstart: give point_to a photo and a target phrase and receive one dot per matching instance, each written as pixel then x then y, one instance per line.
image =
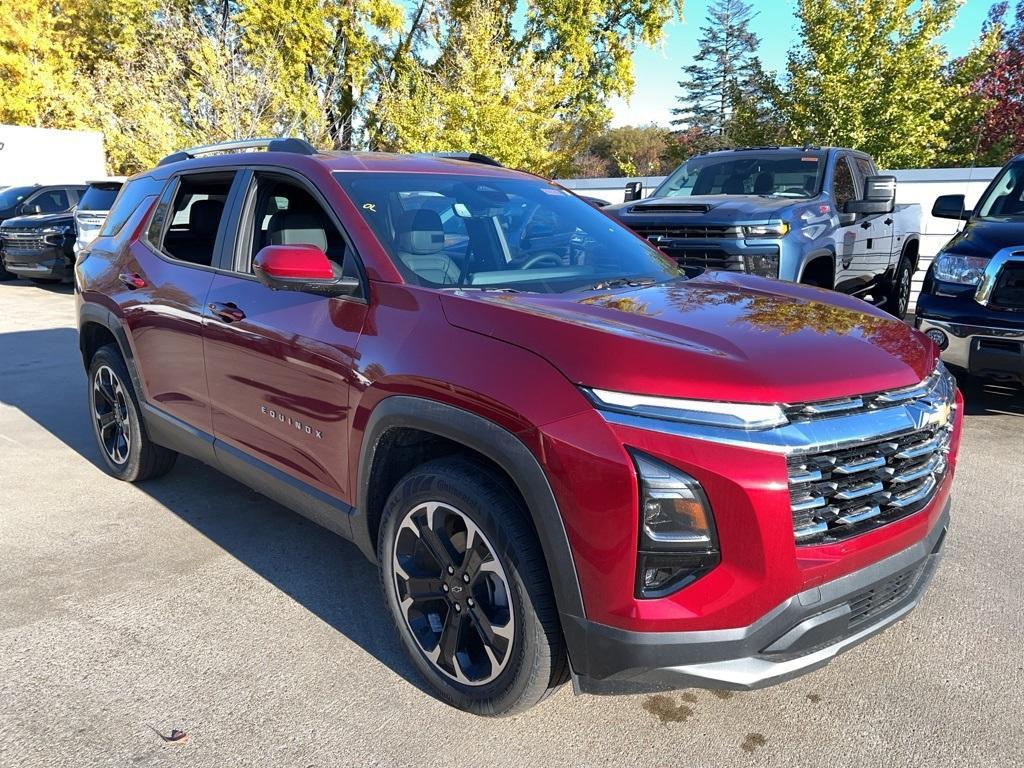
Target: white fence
pixel 913 186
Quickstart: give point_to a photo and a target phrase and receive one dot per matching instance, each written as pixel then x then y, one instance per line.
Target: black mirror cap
pixel 340 285
pixel 951 207
pixel 847 218
pixel 867 207
pixel 30 209
pixel 634 191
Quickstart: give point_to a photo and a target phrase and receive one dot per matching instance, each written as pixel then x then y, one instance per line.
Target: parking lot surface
pixel 193 603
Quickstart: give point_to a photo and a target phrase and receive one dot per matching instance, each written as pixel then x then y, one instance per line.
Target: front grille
pixel 871 603
pixel 22 240
pixel 708 258
pixel 670 208
pixel 1008 292
pixel 836 494
pixel 686 231
pixel 839 493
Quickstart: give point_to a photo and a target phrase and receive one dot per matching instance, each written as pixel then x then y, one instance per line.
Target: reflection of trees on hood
pixel 620 303
pixel 784 316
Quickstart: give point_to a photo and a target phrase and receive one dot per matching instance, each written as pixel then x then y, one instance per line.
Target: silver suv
pixel 93 208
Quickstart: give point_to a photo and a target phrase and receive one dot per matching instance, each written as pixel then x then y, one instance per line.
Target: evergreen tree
pixel 725 72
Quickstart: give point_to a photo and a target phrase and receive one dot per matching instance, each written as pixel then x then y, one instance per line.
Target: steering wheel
pixel 552 259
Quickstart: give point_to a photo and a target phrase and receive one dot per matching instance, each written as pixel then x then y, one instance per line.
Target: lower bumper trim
pixel 798 636
pixel 981 349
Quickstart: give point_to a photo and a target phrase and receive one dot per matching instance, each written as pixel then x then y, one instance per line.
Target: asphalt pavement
pixel 192 604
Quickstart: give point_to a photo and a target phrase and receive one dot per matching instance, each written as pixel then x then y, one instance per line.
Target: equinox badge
pixel 302 426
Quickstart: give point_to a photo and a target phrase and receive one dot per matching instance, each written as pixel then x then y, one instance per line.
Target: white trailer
pixel 49 156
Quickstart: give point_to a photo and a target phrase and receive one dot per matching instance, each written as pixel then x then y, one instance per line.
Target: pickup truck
pixel 817 216
pixel 972 301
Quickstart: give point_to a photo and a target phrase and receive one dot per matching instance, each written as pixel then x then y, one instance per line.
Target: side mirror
pixel 634 191
pixel 301 268
pixel 879 196
pixel 30 209
pixel 951 207
pixel 846 219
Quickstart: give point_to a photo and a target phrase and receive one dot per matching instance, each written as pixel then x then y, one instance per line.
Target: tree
pixel 477 97
pixel 725 73
pixel 634 150
pixel 999 80
pixel 869 74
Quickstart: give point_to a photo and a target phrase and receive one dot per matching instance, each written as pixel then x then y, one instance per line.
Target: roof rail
pixel 471 157
pixel 296 146
pixel 746 149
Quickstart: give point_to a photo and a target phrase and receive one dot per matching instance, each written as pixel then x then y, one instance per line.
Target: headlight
pixel 778 229
pixel 707 412
pixel 966 270
pixel 677 542
pixel 762 264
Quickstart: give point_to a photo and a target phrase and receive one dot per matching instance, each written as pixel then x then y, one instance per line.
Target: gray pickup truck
pixel 815 215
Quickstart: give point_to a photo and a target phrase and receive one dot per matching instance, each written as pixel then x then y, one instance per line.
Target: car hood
pixel 986 237
pixel 724 209
pixel 39 220
pixel 720 336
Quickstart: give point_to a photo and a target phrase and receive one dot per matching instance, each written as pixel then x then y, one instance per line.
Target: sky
pixel 659 69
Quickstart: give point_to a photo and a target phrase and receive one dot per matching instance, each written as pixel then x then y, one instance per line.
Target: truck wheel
pixel 897 301
pixel 466 585
pixel 4 274
pixel 120 434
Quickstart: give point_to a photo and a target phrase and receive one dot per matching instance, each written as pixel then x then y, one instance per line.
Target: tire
pixel 897 300
pixel 114 410
pixel 4 274
pixel 526 657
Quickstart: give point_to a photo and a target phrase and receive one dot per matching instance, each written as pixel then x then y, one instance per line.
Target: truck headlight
pixel 677 542
pixel 762 264
pixel 776 229
pixel 954 268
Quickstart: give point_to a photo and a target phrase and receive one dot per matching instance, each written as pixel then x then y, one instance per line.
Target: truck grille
pixel 22 240
pixel 1008 292
pixel 839 493
pixel 686 232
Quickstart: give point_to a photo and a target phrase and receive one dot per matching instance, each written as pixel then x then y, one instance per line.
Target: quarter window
pixel 127 202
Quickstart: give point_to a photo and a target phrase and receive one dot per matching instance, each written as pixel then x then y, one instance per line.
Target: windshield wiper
pixel 622 282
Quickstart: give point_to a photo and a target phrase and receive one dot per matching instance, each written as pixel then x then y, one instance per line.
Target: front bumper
pixel 802 634
pixel 50 263
pixel 979 340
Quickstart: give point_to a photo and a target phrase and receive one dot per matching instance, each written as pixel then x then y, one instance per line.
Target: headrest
pixel 297 228
pixel 420 232
pixel 764 184
pixel 204 216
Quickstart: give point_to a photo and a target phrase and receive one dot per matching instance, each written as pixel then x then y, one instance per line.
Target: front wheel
pixel 468 590
pixel 897 301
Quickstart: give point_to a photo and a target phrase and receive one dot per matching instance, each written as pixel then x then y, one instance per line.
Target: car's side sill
pixel 171 432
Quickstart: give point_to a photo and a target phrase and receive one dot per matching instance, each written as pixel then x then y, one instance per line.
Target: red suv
pixel 569 458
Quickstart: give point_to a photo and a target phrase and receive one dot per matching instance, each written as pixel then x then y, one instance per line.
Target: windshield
pixel 99 197
pixel 1005 198
pixel 11 197
pixel 445 230
pixel 773 172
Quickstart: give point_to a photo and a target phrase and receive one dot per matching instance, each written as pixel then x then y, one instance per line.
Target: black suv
pixel 37 232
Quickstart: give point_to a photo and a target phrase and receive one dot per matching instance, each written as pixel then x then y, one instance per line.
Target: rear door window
pixel 195 216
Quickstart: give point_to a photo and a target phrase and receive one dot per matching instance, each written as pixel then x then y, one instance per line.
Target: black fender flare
pixel 820 253
pixel 92 313
pixel 497 444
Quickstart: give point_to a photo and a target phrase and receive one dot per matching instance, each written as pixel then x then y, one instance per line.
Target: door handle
pixel 131 280
pixel 227 312
pixel 865 225
pixel 888 222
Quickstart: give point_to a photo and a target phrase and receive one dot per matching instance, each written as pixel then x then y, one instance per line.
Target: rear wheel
pixel 468 590
pixel 117 424
pixel 897 301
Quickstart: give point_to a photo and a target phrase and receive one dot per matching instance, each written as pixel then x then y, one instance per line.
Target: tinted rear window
pixel 131 194
pixel 99 197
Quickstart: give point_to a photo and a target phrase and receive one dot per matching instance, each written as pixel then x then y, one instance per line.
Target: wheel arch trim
pixel 497 444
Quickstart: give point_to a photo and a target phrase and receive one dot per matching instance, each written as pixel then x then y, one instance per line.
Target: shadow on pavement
pixel 41 375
